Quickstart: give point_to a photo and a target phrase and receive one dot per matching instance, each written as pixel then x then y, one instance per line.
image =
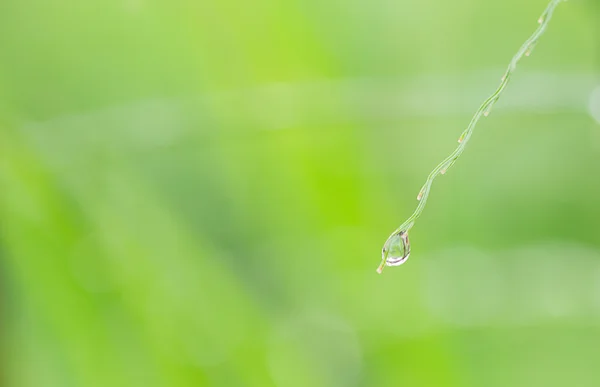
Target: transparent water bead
pixel 396 250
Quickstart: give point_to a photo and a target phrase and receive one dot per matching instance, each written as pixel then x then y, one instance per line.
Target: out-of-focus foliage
pixel 195 193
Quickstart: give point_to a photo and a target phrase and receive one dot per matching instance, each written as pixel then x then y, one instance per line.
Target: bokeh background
pixel 195 193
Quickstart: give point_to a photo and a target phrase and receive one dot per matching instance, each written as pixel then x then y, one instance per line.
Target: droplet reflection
pixel 396 249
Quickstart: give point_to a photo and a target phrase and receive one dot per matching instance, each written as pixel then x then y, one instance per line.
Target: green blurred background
pixel 195 193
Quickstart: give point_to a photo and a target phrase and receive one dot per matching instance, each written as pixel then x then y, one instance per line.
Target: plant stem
pixel 484 110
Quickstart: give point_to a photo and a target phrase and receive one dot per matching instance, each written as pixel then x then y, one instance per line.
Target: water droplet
pixel 397 248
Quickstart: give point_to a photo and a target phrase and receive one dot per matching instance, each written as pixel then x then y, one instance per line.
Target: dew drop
pixel 397 248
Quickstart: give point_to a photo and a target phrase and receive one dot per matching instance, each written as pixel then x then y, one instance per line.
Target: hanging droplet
pixel 396 249
pixel 541 20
